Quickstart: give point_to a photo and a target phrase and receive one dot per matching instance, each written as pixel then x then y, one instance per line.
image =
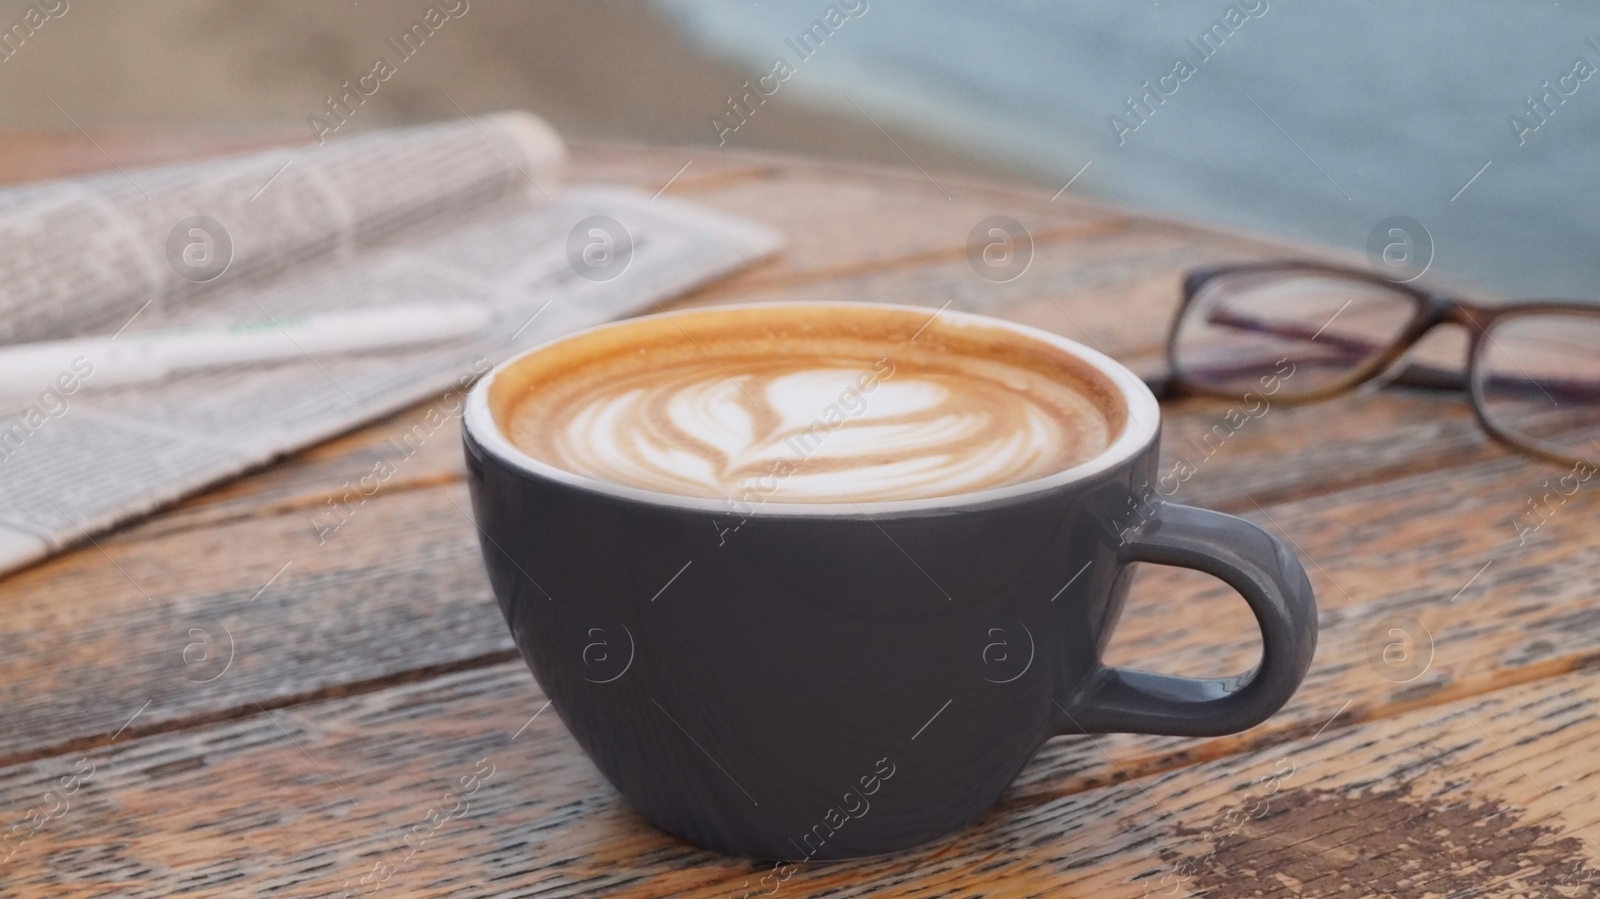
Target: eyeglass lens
pixel 1324 328
pixel 1537 377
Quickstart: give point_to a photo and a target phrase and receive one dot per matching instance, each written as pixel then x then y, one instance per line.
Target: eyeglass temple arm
pixel 1410 375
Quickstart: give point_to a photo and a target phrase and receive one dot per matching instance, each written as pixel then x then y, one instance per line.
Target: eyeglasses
pixel 1305 331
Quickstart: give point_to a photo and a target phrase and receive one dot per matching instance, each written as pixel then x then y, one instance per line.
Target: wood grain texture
pixel 398 593
pixel 399 586
pixel 312 799
pixel 366 674
pixel 38 155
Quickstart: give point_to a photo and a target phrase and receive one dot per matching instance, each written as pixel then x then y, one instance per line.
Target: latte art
pixel 754 418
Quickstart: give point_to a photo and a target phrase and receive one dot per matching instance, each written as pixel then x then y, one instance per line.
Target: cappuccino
pixel 807 404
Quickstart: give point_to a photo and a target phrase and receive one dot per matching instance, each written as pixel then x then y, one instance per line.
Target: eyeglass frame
pixel 1432 308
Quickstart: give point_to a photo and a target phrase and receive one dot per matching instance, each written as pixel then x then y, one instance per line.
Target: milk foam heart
pixel 819 404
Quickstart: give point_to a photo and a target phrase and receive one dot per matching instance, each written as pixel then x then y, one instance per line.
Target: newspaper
pixel 467 211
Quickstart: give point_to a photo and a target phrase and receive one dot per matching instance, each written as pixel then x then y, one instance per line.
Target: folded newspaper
pixel 467 211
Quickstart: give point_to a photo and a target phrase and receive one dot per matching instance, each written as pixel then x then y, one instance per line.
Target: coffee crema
pixel 807 404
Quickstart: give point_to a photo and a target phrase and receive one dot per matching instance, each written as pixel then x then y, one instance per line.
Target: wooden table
pixel 247 711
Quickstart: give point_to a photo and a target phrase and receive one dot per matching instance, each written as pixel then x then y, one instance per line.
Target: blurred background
pixel 1317 122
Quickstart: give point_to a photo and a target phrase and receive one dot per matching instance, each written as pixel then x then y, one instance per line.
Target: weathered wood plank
pixel 399 588
pixel 1111 286
pixel 651 167
pixel 1294 451
pixel 405 562
pixel 1493 794
pixel 841 226
pixel 307 480
pixel 396 595
pixel 302 489
pixel 1453 568
pixel 39 155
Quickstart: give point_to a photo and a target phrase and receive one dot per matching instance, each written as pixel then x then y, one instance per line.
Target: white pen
pixel 145 356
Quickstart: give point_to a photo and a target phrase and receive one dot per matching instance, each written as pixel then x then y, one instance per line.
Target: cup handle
pixel 1267 575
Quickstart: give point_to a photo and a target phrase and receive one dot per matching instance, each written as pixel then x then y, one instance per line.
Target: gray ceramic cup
pixel 831 681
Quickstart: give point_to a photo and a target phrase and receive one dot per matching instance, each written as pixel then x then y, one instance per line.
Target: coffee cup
pixel 815 581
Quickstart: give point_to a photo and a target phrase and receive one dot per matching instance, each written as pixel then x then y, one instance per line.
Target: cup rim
pixel 1142 425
